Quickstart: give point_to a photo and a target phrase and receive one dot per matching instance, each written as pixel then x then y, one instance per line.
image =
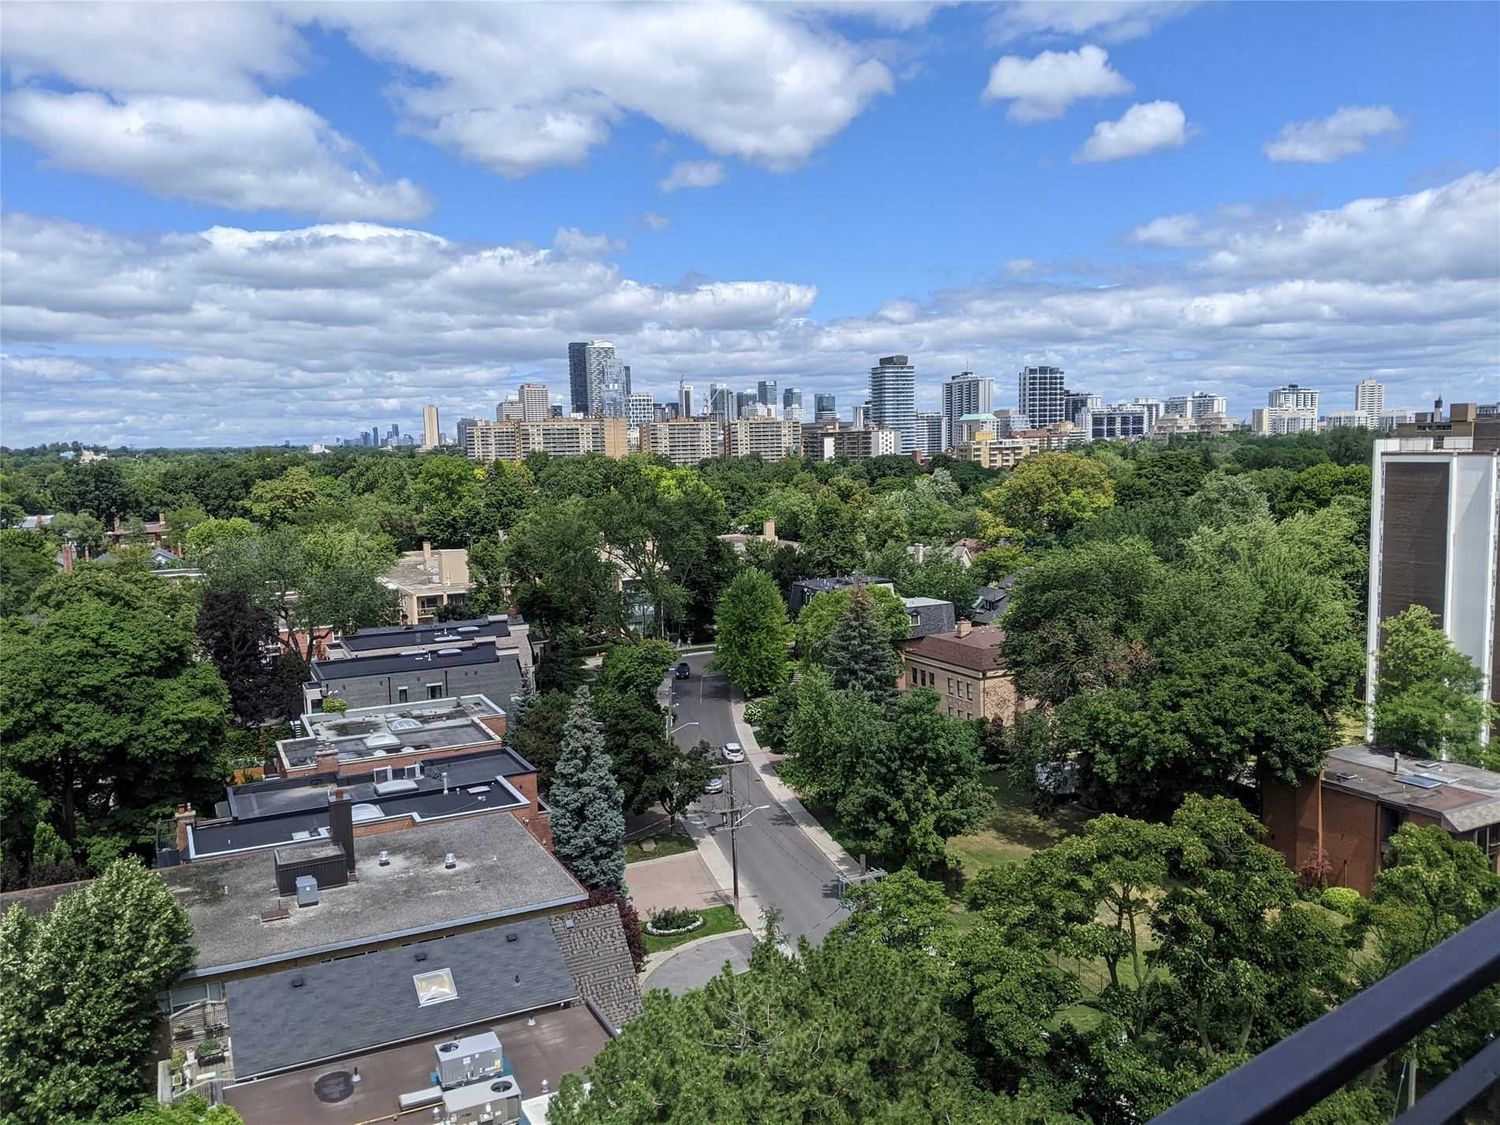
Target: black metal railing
pixel 1304 1068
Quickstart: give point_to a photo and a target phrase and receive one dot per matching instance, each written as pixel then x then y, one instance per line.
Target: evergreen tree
pixel 1427 697
pixel 858 655
pixel 588 807
pixel 520 703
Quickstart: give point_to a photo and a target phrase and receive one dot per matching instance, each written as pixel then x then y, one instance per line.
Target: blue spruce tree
pixel 588 807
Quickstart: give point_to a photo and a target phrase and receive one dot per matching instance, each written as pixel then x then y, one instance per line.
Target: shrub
pixel 332 705
pixel 672 918
pixel 1343 900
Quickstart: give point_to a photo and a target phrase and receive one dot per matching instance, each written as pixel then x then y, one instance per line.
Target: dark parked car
pixel 683 671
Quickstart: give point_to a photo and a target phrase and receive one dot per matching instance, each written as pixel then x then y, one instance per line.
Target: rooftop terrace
pixel 375 732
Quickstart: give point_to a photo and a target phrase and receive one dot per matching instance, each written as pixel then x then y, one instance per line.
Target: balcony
pixel 1306 1067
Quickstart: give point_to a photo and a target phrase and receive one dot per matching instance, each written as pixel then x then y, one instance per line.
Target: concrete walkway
pixel 674 880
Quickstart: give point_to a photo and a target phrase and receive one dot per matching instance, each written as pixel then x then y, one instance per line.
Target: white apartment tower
pixel 1369 398
pixel 431 434
pixel 893 399
pixel 964 393
pixel 1041 395
pixel 535 402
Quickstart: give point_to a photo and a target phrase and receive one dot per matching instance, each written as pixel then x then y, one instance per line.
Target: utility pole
pixel 734 817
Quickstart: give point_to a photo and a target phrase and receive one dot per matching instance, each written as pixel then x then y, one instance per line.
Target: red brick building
pixel 1341 820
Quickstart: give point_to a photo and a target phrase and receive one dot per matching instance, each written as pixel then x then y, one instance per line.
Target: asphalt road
pixel 695 967
pixel 777 862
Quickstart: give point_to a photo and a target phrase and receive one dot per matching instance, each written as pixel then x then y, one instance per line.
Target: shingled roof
pixel 593 946
pixel 976 651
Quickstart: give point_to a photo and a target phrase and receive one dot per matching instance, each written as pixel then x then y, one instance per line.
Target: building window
pixel 401 695
pixel 434 691
pixel 950 685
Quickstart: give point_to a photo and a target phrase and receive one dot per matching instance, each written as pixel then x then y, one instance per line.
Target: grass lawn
pixel 671 844
pixel 716 920
pixel 1013 831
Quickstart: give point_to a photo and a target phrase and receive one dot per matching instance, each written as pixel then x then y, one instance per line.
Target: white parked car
pixel 734 752
pixel 714 785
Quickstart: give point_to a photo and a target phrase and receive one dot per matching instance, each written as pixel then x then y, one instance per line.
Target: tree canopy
pixel 753 633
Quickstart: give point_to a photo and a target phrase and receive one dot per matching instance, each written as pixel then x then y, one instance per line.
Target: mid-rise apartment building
pixel 684 441
pixel 1435 534
pixel 1041 395
pixel 535 402
pixel 558 437
pixel 928 431
pixel 988 451
pixel 964 393
pixel 768 438
pixel 832 442
pixel 893 399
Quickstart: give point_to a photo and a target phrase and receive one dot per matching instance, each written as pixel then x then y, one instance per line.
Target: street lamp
pixel 681 726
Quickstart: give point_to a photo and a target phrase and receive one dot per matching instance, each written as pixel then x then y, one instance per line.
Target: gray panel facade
pixel 1414 537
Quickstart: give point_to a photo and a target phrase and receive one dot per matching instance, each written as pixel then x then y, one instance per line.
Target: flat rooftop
pixel 263 814
pixel 374 732
pixel 560 1042
pixel 1462 797
pixel 501 872
pixel 392 663
pixel 431 633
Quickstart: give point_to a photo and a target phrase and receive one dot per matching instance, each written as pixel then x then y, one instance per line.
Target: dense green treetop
pixel 753 633
pixel 1428 695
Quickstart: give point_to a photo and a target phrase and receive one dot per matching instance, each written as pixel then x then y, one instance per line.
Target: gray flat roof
pixel 502 871
pixel 359 1003
pixel 372 732
pixel 1464 797
pixel 385 664
pixel 435 632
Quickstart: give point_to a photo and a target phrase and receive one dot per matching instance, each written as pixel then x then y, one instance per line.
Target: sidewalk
pixel 783 793
pixel 750 910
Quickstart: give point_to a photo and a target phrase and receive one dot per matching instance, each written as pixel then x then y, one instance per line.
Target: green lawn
pixel 716 920
pixel 1013 831
pixel 674 844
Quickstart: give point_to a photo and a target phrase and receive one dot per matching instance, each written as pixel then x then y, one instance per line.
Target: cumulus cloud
pixel 1346 132
pixel 1144 128
pixel 1111 21
pixel 265 335
pixel 655 221
pixel 518 87
pixel 693 174
pixel 1168 230
pixel 1044 87
pixel 267 153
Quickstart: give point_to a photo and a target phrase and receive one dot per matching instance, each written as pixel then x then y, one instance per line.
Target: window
pixel 401 695
pixel 435 987
pixel 950 685
pixel 434 691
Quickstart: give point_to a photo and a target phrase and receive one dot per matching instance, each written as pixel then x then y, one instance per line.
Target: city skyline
pixel 264 227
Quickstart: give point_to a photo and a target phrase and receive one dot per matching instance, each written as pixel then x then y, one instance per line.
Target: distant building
pixel 765 393
pixel 557 437
pixel 1041 395
pixel 859 415
pixel 1369 397
pixel 510 410
pixel 927 429
pixel 431 433
pixel 791 404
pixel 592 364
pixel 1120 422
pixel 1076 402
pixel 893 399
pixel 831 443
pixel 768 438
pixel 685 441
pixel 686 407
pixel 427 581
pixel 825 408
pixel 1199 404
pixel 990 452
pixel 966 669
pixel 640 409
pixel 1280 420
pixel 1435 535
pixel 1344 817
pixel 964 394
pixel 461 431
pixel 535 402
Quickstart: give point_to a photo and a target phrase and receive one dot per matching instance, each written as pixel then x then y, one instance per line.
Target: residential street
pixel 779 865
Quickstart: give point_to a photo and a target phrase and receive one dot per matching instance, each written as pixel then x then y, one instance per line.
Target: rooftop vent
pixel 422 955
pixel 298 982
pixel 512 936
pixel 449 651
pixel 411 652
pixel 384 859
pixel 468 628
pixel 405 724
pixel 450 861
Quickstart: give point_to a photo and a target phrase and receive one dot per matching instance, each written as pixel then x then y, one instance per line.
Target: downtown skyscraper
pixel 594 373
pixel 893 399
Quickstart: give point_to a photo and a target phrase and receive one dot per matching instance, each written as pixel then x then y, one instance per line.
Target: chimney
pixel 67 557
pixel 185 818
pixel 1396 762
pixel 326 761
pixel 427 552
pixel 965 626
pixel 341 825
pixel 768 531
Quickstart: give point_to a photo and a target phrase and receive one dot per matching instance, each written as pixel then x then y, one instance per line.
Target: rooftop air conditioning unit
pixel 307 890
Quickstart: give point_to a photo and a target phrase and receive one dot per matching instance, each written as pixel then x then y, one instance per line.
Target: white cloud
pixel 265 335
pixel 1044 87
pixel 571 240
pixel 693 174
pixel 1169 230
pixel 655 221
pixel 519 87
pixel 267 153
pixel 1345 132
pixel 1144 128
pixel 1111 21
pixel 1019 266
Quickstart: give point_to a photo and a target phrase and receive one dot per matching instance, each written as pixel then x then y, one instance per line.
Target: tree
pixel 1427 695
pixel 858 655
pixel 901 911
pixel 79 987
pixel 561 665
pixel 237 634
pixel 588 815
pixel 450 507
pixel 191 1110
pixel 25 563
pixel 538 734
pixel 684 777
pixel 554 561
pixel 103 706
pixel 1046 496
pixel 842 1032
pixel 821 615
pixel 753 633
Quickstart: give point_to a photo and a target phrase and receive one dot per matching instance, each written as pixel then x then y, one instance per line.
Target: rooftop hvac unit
pixel 468 1059
pixel 307 890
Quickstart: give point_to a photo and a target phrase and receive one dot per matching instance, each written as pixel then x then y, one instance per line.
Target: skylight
pixel 435 987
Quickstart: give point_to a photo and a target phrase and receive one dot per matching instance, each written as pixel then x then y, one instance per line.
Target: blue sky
pixel 231 224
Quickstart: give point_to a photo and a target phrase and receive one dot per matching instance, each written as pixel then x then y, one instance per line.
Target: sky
pixel 235 224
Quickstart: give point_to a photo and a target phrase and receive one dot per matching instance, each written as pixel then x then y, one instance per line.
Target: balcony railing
pixel 1308 1065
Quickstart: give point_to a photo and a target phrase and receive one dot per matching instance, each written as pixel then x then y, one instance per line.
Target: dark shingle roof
pixel 597 956
pixel 979 651
pixel 359 1003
